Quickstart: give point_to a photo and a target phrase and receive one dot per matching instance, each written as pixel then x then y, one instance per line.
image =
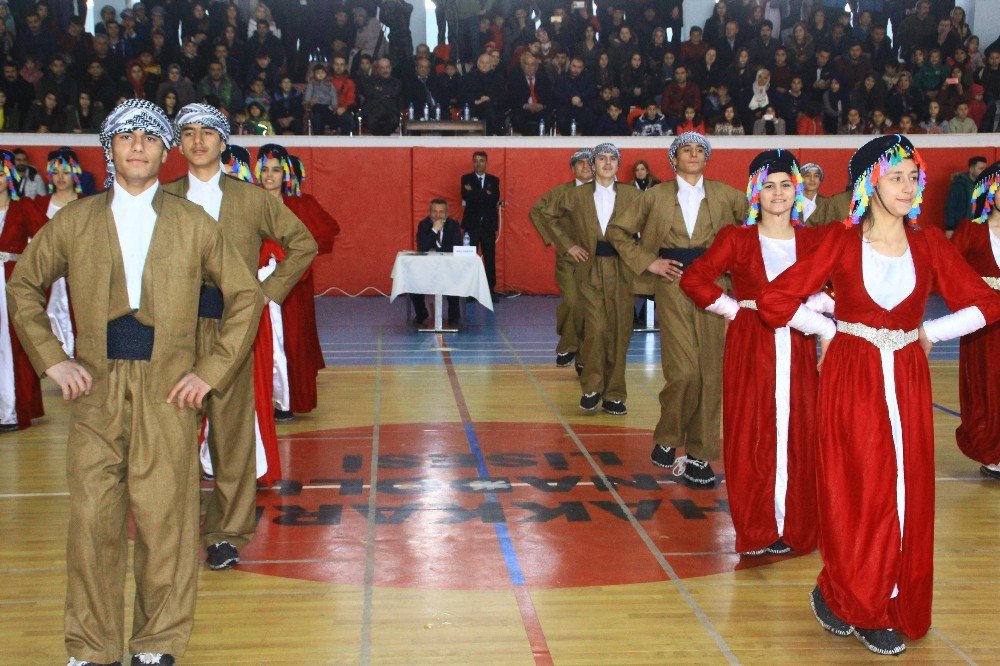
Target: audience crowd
pixel 616 68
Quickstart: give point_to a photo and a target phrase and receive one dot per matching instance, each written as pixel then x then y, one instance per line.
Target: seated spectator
pixel 692 52
pixel 800 46
pixel 881 123
pixel 636 82
pixel 193 66
pixel 346 94
pixel 879 48
pixel 952 92
pixel 763 47
pixel 262 14
pixel 10 114
pixel 612 122
pixel 369 39
pixel 287 108
pixel 769 124
pixel 181 86
pixel 961 123
pixel 450 83
pixel 265 41
pixel 588 49
pixel 709 74
pixel 258 120
pixel 655 50
pixel 531 97
pixel 623 45
pixel 86 115
pixel 666 69
pixel 604 74
pixel 991 121
pixel 729 124
pixel 59 81
pixel 904 98
pixel 690 121
pixel 136 83
pixel 222 86
pixel 853 67
pixel 642 178
pixel 934 122
pixel 835 104
pixel 793 102
pixel 680 93
pixel 781 72
pixel 957 207
pixel 257 93
pixel 421 89
pixel 908 125
pixel 46 116
pixel 808 122
pixel 383 100
pixel 652 123
pixel 484 93
pixel 170 104
pixel 437 233
pixel 989 77
pixel 31 183
pixel 977 107
pixel 320 100
pixel 761 97
pixel 854 123
pixel 31 71
pixel 869 94
pixel 263 68
pixel 930 77
pixel 575 99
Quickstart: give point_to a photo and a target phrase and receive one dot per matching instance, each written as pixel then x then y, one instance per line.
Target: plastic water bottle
pixel 409 113
pixel 466 113
pixel 427 111
pixel 437 112
pixel 572 127
pixel 466 241
pixel 541 127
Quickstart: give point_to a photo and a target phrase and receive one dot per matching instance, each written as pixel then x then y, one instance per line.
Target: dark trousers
pixel 486 241
pixel 421 313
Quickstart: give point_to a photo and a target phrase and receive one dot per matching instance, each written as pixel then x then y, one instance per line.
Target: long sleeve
pixel 955 325
pixel 698 281
pixel 425 235
pixel 782 298
pixel 961 240
pixel 41 264
pixel 320 224
pixel 536 217
pixel 554 216
pixel 243 304
pixel 956 281
pixel 281 226
pixel 623 228
pixel 811 322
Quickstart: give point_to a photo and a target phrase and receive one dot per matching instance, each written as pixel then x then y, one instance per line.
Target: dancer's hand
pixel 190 391
pixel 924 343
pixel 670 269
pixel 824 344
pixel 73 379
pixel 578 253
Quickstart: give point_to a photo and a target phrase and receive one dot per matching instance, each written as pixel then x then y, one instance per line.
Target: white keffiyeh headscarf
pixel 130 116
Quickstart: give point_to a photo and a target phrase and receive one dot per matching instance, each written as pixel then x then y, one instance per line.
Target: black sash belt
pixel 685 255
pixel 210 303
pixel 129 340
pixel 606 249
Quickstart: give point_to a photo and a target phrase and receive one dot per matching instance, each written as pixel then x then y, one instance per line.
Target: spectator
pixel 917 29
pixel 369 38
pixel 422 89
pixel 879 49
pixel 19 92
pixel 263 68
pixel 692 52
pixel 881 123
pixel 944 40
pixel 262 14
pixel 76 45
pixel 320 100
pixel 667 68
pixel 709 74
pixel 220 85
pixel 989 77
pixel 904 98
pixel 763 47
pixel 961 123
pixel 730 123
pixel 854 124
pixel 741 78
pixel 934 122
pixel 264 41
pixel 33 41
pixel 85 115
pixel 181 86
pixel 383 100
pixel 958 207
pixel 287 109
pixel 31 184
pixel 761 97
pixel 852 68
pixel 99 85
pixel 346 95
pixel 991 121
pixel 136 83
pixel 46 116
pixel 10 115
pixel 715 101
pixel 930 77
pixel 575 96
pixel 680 93
pixel 977 107
pixel 58 81
pixel 908 125
pixel 604 74
pixel 729 46
pixel 808 122
pixel 641 176
pixel 257 121
pixel 781 73
pixel 193 66
pixel 652 123
pixel 800 46
pixel 31 71
pixel 975 55
pixel 170 104
pixel 636 82
pixel 868 94
pixel 715 26
pixel 952 92
pixel 655 50
pixel 769 124
pixel 531 97
pixel 588 49
pixel 835 104
pixel 612 123
pixel 258 93
pixel 690 122
pixel 196 21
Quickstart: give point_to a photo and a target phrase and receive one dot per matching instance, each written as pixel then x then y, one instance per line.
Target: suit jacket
pixel 519 91
pixel 426 237
pixel 247 216
pixel 480 203
pixel 657 217
pixel 81 242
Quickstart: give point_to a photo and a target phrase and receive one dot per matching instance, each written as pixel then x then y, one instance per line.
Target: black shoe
pixel 283 416
pixel 698 472
pixel 222 555
pixel 589 401
pixel 663 456
pixel 779 547
pixel 579 369
pixel 148 658
pixel 565 358
pixel 753 553
pixel 207 477
pixel 826 618
pixel 8 427
pixel 77 662
pixel 616 407
pixel 881 641
pixel 989 472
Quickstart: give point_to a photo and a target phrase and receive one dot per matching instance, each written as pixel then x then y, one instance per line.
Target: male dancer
pixel 247 216
pixel 569 316
pixel 677 221
pixel 578 223
pixel 134 258
pixel 814 204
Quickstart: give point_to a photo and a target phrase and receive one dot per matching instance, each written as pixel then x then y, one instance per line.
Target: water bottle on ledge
pixel 427 111
pixel 466 241
pixel 409 112
pixel 437 112
pixel 466 114
pixel 541 127
pixel 572 127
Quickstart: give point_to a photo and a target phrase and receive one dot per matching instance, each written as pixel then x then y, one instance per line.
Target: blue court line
pixel 946 410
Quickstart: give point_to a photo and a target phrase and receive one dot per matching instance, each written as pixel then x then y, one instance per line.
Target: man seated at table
pixel 437 233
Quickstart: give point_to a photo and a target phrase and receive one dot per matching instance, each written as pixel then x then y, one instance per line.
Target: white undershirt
pixel 778 253
pixel 888 280
pixel 135 220
pixel 690 198
pixel 808 207
pixel 8 397
pixel 995 246
pixel 206 194
pixel 58 307
pixel 604 202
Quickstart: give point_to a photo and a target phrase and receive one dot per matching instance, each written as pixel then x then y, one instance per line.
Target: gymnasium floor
pixel 505 526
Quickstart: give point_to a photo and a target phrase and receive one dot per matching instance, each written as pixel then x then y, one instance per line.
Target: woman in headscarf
pixel 978 240
pixel 875 469
pixel 769 376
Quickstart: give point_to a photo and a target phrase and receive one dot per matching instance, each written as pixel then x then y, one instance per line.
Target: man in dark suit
pixel 437 233
pixel 531 96
pixel 481 197
pixel 423 89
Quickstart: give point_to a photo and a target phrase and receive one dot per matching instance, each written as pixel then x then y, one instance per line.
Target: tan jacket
pixel 657 217
pixel 248 215
pixel 81 242
pixel 548 200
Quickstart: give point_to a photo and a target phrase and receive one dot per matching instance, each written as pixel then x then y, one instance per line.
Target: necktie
pixel 482 182
pixel 531 90
pixel 440 239
pixel 427 92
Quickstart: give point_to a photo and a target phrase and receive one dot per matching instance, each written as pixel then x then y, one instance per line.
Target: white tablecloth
pixel 441 273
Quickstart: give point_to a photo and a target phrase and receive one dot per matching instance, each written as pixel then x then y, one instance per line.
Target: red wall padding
pixel 379 194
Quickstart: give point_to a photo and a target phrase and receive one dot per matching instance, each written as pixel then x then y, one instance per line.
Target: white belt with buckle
pixel 883 338
pixel 8 256
pixel 993 282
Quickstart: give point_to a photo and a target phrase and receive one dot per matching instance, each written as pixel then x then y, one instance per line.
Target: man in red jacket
pixel 343 115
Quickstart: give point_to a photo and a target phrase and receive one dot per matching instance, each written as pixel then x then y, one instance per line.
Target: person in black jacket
pixel 531 97
pixel 437 233
pixel 484 93
pixel 481 198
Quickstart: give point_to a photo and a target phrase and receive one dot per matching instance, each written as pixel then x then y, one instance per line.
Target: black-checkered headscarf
pixel 205 115
pixel 134 115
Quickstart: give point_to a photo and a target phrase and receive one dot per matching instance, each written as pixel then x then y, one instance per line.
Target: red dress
pixel 749 367
pixel 864 558
pixel 21 223
pixel 263 377
pixel 979 359
pixel 298 311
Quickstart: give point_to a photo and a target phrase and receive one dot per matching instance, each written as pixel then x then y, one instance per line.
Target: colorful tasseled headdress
pixel 10 173
pixel 272 151
pixel 984 193
pixel 236 160
pixel 870 162
pixel 766 163
pixel 299 171
pixel 64 157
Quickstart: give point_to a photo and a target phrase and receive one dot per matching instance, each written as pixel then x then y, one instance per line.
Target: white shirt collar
pixel 580 182
pixel 211 183
pixel 143 198
pixel 610 189
pixel 684 187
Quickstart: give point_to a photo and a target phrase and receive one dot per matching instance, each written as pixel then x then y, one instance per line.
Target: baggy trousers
pixel 232 506
pixel 606 300
pixel 131 451
pixel 569 313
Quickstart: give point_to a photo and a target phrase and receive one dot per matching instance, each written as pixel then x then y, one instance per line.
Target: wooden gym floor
pixel 449 503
